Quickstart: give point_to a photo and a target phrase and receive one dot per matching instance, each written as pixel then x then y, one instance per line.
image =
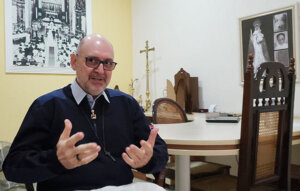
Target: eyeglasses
pixel 94 62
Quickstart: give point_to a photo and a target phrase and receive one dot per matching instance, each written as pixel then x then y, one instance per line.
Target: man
pixel 85 136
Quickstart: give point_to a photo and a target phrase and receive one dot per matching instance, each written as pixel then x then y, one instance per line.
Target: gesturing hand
pixel 139 157
pixel 69 155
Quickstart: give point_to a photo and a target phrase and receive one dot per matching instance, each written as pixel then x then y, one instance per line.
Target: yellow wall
pixel 17 91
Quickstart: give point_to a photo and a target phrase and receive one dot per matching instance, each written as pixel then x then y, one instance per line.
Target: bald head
pixel 93 80
pixel 93 40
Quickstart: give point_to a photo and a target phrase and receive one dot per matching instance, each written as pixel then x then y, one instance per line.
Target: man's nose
pixel 100 69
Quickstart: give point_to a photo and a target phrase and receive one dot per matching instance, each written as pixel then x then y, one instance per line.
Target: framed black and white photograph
pixel 41 35
pixel 268 36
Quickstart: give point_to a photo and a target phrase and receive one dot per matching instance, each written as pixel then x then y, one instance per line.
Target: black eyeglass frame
pixel 96 61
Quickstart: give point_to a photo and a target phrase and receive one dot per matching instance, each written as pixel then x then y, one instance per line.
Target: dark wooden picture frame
pixel 269 36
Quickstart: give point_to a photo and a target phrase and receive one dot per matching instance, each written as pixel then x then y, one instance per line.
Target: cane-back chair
pixel 266 131
pixel 267 125
pixel 166 111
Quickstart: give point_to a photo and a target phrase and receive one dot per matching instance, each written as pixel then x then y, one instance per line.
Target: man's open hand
pixel 139 157
pixel 71 156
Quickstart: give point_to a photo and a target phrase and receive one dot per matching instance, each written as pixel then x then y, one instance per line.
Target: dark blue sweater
pixel 32 157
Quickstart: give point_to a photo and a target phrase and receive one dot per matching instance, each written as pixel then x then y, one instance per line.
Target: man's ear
pixel 73 61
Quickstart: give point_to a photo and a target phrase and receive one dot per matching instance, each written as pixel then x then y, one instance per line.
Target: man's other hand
pixel 139 157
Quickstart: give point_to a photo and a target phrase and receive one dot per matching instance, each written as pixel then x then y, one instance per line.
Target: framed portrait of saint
pixel 268 36
pixel 40 35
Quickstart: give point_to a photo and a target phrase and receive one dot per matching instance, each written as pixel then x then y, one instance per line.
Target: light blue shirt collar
pixel 79 94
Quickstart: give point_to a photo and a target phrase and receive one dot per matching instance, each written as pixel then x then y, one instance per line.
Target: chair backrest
pixel 182 89
pixel 267 121
pixel 166 110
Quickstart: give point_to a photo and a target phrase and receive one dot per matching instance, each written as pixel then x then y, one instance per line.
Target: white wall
pixel 200 36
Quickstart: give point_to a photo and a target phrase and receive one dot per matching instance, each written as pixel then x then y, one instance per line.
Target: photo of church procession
pixel 44 34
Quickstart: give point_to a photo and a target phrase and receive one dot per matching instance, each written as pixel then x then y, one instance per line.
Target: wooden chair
pixel 186 90
pixel 266 131
pixel 166 111
pixel 182 89
pixel 267 125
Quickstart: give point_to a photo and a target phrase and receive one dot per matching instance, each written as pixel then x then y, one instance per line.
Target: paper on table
pixel 136 186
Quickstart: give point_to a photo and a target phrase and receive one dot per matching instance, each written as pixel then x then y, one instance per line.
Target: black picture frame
pixel 269 36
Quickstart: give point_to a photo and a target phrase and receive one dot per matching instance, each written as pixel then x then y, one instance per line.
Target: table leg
pixel 182 173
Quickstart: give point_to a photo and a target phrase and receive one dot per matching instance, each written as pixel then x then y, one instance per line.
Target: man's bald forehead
pixel 93 38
